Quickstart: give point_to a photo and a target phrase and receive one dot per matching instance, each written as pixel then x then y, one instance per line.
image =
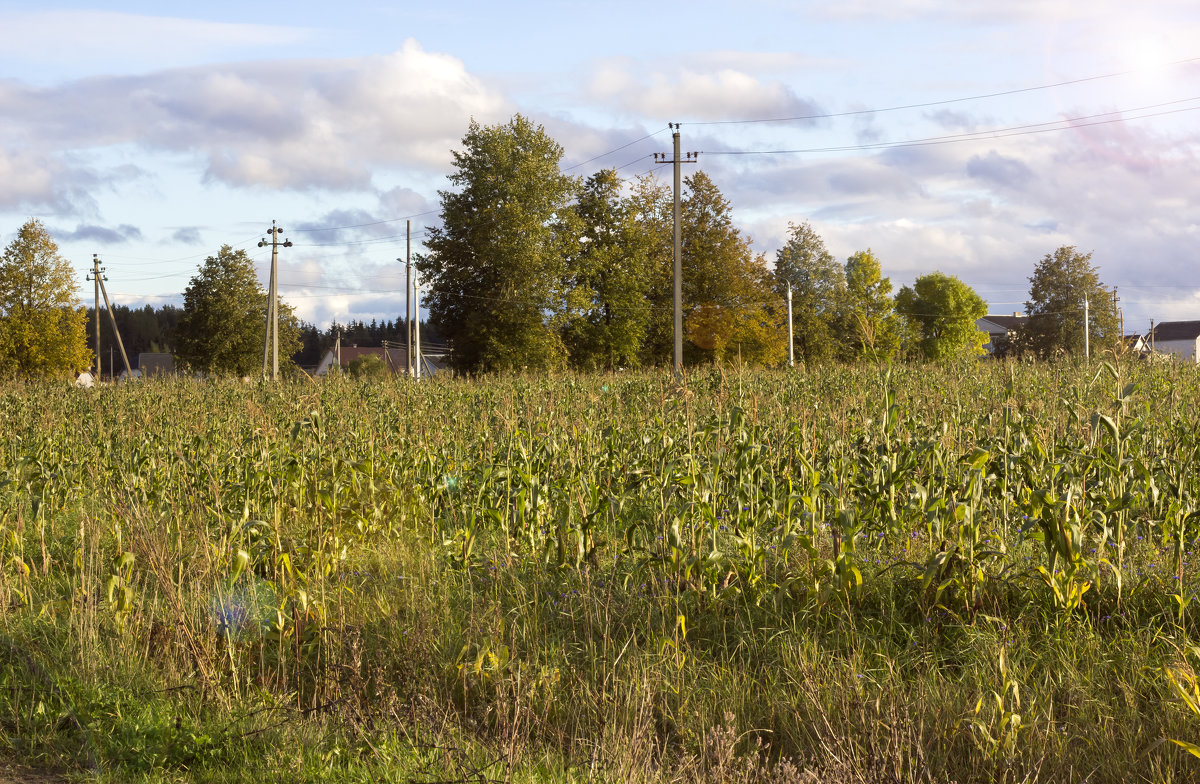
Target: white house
pixel 999 329
pixel 394 358
pixel 1179 338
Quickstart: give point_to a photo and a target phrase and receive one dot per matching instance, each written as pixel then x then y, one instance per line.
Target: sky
pixel 967 138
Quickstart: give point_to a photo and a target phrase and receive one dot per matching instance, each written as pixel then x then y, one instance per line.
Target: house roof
pixel 1007 322
pixel 394 358
pixel 1176 330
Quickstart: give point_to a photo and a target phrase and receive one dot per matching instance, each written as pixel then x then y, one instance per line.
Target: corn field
pixel 983 572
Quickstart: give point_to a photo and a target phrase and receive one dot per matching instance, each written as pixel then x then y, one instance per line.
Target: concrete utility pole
pixel 97 271
pixel 1087 354
pixel 408 286
pixel 417 326
pixel 791 346
pixel 677 299
pixel 271 341
pixel 112 318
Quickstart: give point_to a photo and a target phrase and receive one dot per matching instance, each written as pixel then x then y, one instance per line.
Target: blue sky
pixel 153 139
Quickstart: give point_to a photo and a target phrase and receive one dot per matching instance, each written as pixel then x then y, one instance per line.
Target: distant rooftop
pixel 1008 322
pixel 1176 330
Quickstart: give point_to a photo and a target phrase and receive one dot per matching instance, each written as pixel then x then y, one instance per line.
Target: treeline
pixel 153 329
pixel 534 268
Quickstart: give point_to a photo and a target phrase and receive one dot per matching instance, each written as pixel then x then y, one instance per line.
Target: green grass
pixel 977 573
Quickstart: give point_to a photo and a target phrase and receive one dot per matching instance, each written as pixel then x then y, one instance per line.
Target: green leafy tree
pixel 651 204
pixel 1058 287
pixel 818 285
pixel 42 326
pixel 730 308
pixel 223 325
pixel 368 366
pixel 609 277
pixel 495 269
pixel 868 320
pixel 940 311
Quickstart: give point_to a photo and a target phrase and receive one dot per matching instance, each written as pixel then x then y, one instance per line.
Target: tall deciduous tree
pixel 609 277
pixel 42 327
pixel 818 286
pixel 650 202
pixel 868 319
pixel 224 318
pixel 1058 287
pixel 730 306
pixel 495 269
pixel 940 312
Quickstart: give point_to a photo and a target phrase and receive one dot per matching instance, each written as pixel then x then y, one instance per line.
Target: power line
pixel 944 102
pixel 618 149
pixel 1066 124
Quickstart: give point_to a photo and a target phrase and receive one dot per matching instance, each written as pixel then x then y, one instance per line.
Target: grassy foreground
pixel 973 574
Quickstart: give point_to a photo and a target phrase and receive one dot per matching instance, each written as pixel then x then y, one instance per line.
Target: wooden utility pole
pixel 677 298
pixel 271 341
pixel 97 274
pixel 1120 312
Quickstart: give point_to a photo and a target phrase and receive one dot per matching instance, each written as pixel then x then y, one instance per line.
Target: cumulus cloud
pixel 695 92
pixel 988 210
pixel 298 124
pixel 35 180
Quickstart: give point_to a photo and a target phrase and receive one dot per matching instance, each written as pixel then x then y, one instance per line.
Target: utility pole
pixel 1087 354
pixel 677 299
pixel 791 345
pixel 271 341
pixel 112 318
pixel 1120 312
pixel 97 271
pixel 408 286
pixel 417 314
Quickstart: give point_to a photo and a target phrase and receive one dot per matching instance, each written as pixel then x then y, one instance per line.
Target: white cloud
pixel 694 92
pixel 288 124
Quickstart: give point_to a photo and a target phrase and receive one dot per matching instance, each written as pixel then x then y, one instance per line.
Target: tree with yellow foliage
pixel 43 329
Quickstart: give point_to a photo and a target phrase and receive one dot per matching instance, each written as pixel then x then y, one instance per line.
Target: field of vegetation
pixel 978 573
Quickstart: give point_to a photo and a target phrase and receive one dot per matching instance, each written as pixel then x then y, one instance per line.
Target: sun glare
pixel 1147 55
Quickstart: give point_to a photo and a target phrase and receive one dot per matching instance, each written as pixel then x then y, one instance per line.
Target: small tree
pixel 43 331
pixel 367 366
pixel 224 318
pixel 940 312
pixel 1058 287
pixel 867 317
